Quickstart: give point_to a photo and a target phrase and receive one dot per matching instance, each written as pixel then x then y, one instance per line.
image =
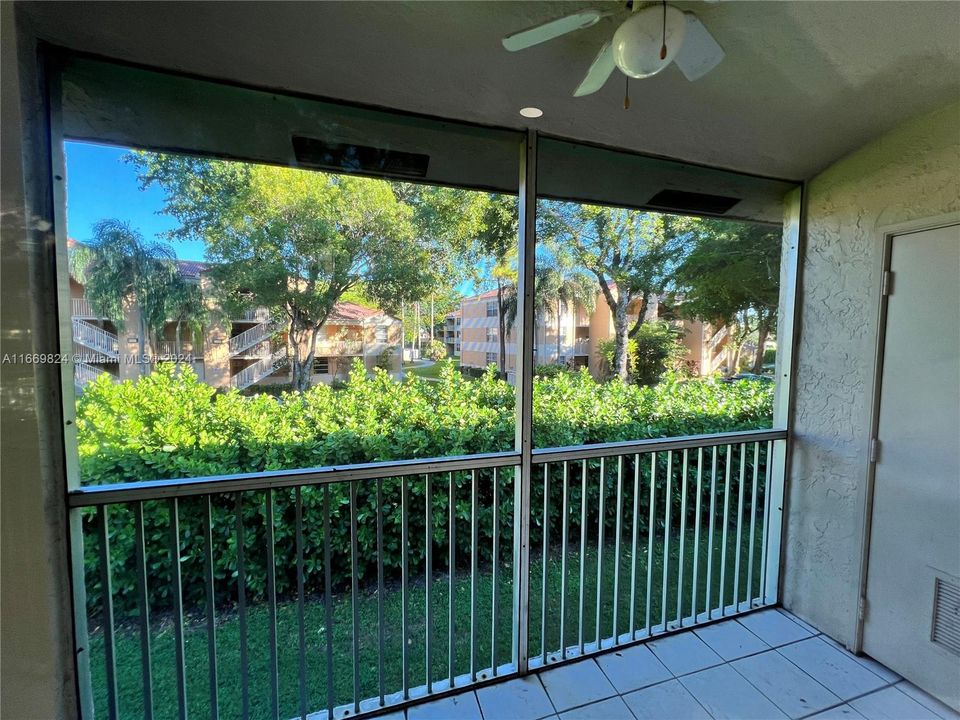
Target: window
pixel 491 358
pixel 491 308
pixel 321 366
pixel 380 333
pixel 491 335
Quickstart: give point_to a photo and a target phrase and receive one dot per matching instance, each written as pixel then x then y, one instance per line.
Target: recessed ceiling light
pixel 531 112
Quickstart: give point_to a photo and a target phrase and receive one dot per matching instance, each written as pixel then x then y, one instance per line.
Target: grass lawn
pixel 429 372
pixel 128 658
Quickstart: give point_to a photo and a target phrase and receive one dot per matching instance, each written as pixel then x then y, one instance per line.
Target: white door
pixel 912 622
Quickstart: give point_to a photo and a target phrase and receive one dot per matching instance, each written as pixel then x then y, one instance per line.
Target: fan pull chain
pixel 626 94
pixel 663 46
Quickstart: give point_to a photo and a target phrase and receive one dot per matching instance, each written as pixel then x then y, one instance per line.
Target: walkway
pixel 764 665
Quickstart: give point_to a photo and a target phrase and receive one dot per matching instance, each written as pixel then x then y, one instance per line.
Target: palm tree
pixel 123 266
pixel 555 288
pixel 185 307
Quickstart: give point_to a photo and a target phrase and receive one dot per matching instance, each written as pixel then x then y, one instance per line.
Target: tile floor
pixel 764 665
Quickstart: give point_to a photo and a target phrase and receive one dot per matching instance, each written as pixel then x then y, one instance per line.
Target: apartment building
pixel 235 352
pixel 571 336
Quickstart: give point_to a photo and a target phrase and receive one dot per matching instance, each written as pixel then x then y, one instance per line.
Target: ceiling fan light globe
pixel 638 41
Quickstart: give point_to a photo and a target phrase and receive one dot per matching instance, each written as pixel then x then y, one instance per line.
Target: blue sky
pixel 101 185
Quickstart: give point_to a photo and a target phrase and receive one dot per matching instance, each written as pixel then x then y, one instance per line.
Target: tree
pixel 730 275
pixel 554 287
pixel 629 253
pixel 496 248
pixel 294 241
pixel 119 267
pixel 185 306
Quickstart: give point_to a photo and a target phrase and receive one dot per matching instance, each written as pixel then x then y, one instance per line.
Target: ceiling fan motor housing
pixel 638 42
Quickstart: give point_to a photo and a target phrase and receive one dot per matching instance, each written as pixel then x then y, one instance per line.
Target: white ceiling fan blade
pixel 598 73
pixel 700 53
pixel 553 29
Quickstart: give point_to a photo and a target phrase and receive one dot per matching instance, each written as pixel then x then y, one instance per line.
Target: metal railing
pixel 168 348
pixel 387 583
pixel 260 369
pixel 84 373
pixel 255 315
pixel 339 347
pixel 248 338
pixel 96 338
pixel 80 307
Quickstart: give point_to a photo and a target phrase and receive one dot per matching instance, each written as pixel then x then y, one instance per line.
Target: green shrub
pixel 171 425
pixel 435 350
pixel 657 349
pixel 549 371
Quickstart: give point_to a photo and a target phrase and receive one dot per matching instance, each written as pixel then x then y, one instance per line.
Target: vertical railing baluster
pixel 650 527
pixel 495 600
pixel 242 610
pixel 753 519
pixel 713 512
pixel 766 520
pixel 474 543
pixel 328 598
pixel 726 522
pixel 428 575
pixel 404 584
pixel 177 591
pixel 633 545
pixel 451 594
pixel 616 553
pixel 583 552
pixel 301 621
pixel 272 608
pixel 695 586
pixel 211 607
pixel 683 536
pixel 354 592
pixel 544 563
pixel 563 561
pixel 668 506
pixel 736 567
pixel 143 605
pixel 106 594
pixel 602 487
pixel 381 630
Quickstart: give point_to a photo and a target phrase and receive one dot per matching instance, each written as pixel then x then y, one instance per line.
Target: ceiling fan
pixel 654 35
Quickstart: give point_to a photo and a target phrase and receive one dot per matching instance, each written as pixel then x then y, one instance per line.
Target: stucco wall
pixel 909 174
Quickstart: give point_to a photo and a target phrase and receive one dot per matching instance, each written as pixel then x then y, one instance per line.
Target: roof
pixel 191 269
pixel 350 312
pixel 488 295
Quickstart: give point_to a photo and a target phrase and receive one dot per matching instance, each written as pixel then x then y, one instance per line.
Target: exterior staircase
pixel 250 337
pixel 84 373
pixel 260 369
pixel 717 350
pixel 96 339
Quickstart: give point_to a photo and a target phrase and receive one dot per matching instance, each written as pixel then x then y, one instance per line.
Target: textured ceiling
pixel 803 83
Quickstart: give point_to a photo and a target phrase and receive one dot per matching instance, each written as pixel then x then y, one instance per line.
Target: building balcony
pixel 339 347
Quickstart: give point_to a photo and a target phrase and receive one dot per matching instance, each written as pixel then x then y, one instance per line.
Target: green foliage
pixel 657 349
pixel 607 349
pixel 770 356
pixel 549 371
pixel 435 350
pixel 171 425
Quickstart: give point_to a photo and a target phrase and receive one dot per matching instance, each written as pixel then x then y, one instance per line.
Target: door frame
pixel 885 235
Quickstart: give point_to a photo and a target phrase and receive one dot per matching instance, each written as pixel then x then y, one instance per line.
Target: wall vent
pixel 692 202
pixel 361 159
pixel 946 615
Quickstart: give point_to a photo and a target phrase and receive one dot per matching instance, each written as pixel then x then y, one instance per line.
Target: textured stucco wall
pixel 909 174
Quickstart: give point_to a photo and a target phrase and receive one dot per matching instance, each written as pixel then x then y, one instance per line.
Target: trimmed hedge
pixel 169 424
